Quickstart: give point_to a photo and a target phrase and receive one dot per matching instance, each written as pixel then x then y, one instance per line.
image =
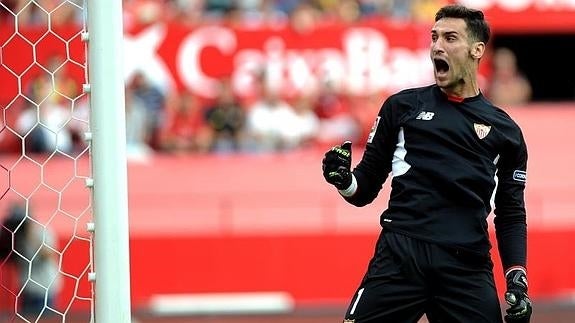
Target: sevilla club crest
pixel 481 130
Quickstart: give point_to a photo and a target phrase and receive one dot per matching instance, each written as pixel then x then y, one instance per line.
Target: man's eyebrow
pixel 450 32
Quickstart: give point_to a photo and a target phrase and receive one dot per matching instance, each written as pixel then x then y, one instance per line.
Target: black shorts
pixel 408 278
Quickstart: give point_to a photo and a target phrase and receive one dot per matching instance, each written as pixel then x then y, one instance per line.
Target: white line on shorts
pixel 359 292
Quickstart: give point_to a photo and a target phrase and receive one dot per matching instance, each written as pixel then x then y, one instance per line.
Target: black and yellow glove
pixel 516 296
pixel 336 166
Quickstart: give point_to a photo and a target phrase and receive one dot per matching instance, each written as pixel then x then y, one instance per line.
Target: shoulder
pixel 407 102
pixel 505 123
pixel 410 94
pixel 502 115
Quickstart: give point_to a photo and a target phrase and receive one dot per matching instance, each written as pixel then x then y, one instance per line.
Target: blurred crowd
pixel 249 12
pixel 258 12
pixel 52 114
pixel 183 122
pixel 266 122
pixel 160 120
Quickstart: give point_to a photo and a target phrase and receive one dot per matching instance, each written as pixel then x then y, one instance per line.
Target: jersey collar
pixel 457 99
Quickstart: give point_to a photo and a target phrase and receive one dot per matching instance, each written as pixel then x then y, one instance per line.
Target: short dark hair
pixel 474 19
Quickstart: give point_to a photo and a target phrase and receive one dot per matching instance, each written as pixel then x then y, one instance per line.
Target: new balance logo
pixel 424 115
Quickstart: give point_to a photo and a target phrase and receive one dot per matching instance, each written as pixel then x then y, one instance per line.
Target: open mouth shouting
pixel 441 67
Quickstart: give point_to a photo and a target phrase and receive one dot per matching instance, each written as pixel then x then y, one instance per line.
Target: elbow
pixel 357 201
pixel 359 204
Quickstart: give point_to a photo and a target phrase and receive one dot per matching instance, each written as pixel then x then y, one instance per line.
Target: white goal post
pixel 108 153
pixel 64 248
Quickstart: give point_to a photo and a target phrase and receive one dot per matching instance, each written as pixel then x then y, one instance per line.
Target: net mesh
pixel 44 162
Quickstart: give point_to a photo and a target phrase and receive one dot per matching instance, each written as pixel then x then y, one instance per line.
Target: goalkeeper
pixel 449 151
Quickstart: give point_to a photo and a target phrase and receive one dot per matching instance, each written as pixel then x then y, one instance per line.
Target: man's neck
pixel 462 90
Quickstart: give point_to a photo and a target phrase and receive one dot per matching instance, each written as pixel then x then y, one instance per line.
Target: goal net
pixel 46 263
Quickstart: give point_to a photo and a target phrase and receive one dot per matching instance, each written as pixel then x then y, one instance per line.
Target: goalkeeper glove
pixel 336 166
pixel 516 296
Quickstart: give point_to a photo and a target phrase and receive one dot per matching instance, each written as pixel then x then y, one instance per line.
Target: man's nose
pixel 437 47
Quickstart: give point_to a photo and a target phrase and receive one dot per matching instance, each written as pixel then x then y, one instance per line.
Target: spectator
pixel 424 10
pixel 68 13
pixel 257 13
pixel 28 14
pixel 304 18
pixel 266 129
pixel 44 121
pixel 186 130
pixel 37 12
pixel 400 9
pixel 189 13
pixel 143 12
pixel 137 130
pixel 508 85
pixel 226 119
pixel 286 6
pixel 336 120
pixel 348 11
pixel 154 102
pixel 36 262
pixel 303 126
pixel 27 127
pixel 79 124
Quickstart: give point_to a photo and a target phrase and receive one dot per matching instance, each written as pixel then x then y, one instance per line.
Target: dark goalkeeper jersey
pixel 450 161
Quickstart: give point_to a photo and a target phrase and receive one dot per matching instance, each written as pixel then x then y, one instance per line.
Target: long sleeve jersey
pixel 450 160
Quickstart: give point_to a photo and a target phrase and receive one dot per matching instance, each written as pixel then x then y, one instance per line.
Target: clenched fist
pixel 336 166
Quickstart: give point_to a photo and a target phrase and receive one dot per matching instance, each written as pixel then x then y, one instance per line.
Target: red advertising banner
pixel 359 59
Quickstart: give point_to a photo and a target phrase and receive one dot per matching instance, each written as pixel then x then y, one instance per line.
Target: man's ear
pixel 477 50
